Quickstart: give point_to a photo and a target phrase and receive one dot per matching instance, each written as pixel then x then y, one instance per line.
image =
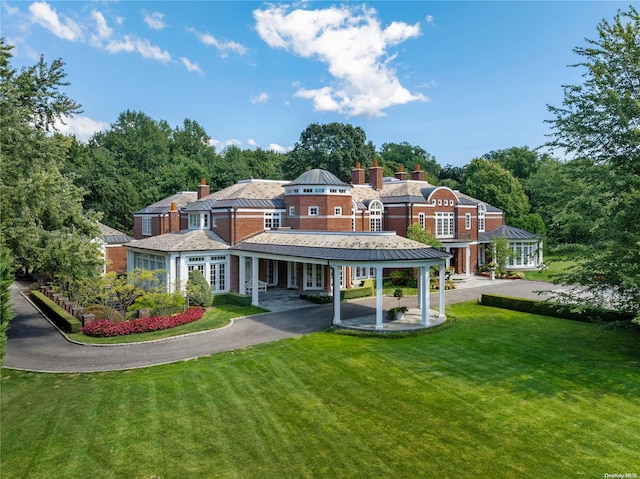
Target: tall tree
pixel 408 156
pixel 42 218
pixel 492 183
pixel 521 162
pixel 335 147
pixel 600 120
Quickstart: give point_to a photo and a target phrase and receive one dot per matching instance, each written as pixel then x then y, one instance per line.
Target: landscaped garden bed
pixel 104 328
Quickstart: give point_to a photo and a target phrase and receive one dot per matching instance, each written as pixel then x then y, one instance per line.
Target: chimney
pixel 375 176
pixel 203 189
pixel 400 174
pixel 417 174
pixel 357 175
pixel 174 218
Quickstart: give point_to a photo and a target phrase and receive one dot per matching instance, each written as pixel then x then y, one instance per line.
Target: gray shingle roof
pixel 318 177
pixel 348 246
pixel 244 194
pixel 181 199
pixel 185 240
pixel 510 232
pixel 113 236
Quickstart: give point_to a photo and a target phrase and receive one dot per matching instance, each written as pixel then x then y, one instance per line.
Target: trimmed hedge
pixel 235 299
pixel 65 321
pixel 557 310
pixel 360 292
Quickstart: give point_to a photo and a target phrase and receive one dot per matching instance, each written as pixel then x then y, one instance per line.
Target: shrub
pixel 159 304
pixel 198 289
pixel 399 278
pixel 360 292
pixel 558 310
pixel 317 298
pixel 104 328
pixel 55 313
pixel 104 312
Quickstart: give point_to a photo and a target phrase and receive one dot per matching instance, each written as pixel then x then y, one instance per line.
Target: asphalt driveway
pixel 34 344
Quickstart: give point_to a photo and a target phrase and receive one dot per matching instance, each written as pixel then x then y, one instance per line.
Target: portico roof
pixel 185 240
pixel 340 246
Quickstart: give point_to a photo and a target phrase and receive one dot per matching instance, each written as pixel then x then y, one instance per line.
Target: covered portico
pixel 337 250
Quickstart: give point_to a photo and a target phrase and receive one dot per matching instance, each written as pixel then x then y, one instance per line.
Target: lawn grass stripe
pixel 499 394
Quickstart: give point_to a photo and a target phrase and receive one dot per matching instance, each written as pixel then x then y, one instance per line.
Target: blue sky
pixel 458 79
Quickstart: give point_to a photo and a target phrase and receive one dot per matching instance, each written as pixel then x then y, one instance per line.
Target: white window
pixel 421 220
pixel 482 211
pixel 363 273
pixel 314 276
pixel 198 221
pixel 314 211
pixel 146 226
pixel 292 210
pixel 214 222
pixel 467 221
pixel 307 190
pixel 439 202
pixel 375 216
pixel 446 202
pixel 522 254
pixel 271 220
pixel 337 211
pixel 445 225
pixel 318 190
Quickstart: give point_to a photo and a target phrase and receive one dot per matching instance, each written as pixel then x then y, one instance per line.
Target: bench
pixel 262 286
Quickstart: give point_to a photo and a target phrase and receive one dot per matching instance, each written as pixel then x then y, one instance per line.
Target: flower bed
pixel 104 328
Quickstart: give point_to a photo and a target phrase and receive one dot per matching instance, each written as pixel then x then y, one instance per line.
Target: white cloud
pixel 61 26
pixel 429 19
pixel 221 145
pixel 223 47
pixel 278 148
pixel 261 97
pixel 252 142
pixel 82 127
pixel 9 9
pixel 143 47
pixel 353 45
pixel 155 20
pixel 192 67
pixel 102 28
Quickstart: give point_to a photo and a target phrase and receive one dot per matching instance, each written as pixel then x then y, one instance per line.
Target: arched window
pixel 375 216
pixel 482 212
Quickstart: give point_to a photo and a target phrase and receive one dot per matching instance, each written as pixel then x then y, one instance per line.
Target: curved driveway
pixel 34 344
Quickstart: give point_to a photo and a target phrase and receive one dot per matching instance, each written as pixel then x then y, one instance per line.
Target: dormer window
pixel 198 221
pixel 482 212
pixel 271 220
pixel 375 216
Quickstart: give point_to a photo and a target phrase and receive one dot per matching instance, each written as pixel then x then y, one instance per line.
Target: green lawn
pixel 498 394
pixel 555 266
pixel 214 318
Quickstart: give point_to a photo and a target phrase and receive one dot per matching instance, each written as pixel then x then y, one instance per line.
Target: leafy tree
pixel 492 183
pixel 198 289
pixel 408 156
pixel 501 253
pixel 415 232
pixel 6 278
pixel 42 217
pixel 521 162
pixel 600 120
pixel 335 147
pixel 451 176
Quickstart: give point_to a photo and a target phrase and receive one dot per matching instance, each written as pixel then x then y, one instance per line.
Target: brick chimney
pixel 375 176
pixel 203 189
pixel 174 218
pixel 417 174
pixel 357 175
pixel 400 174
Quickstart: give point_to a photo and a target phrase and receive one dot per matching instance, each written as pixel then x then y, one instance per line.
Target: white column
pixel 424 294
pixel 468 261
pixel 379 296
pixel 255 266
pixel 419 301
pixel 336 294
pixel 441 308
pixel 242 274
pixel 540 258
pixel 448 250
